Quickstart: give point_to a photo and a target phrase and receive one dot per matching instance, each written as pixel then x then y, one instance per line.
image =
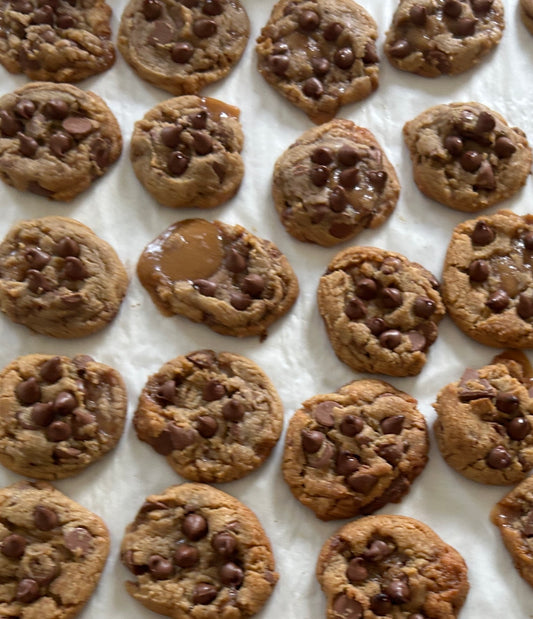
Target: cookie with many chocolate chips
pixel 219 275
pixel 443 37
pixel 391 566
pixel 186 151
pixel 52 552
pixel 56 139
pixel 333 182
pixel 353 451
pixel 466 156
pixel 319 55
pixel 380 310
pixel 196 551
pixel 58 278
pixel 526 13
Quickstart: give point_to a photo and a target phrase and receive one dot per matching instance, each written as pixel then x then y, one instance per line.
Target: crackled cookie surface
pixel 381 566
pixel 52 552
pixel 58 278
pixel 443 37
pixel 198 553
pixel 381 311
pixel 319 55
pixel 466 156
pixel 526 13
pixel 333 182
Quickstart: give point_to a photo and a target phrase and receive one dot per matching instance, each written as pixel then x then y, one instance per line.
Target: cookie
pixel 219 275
pixel 332 183
pixel 56 40
pixel 58 278
pixel 56 139
pixel 183 45
pixel 52 552
pixel 186 152
pixel 196 551
pixel 466 156
pixel 443 37
pixel 353 451
pixel 382 566
pixel 319 55
pixel 380 310
pixel 526 13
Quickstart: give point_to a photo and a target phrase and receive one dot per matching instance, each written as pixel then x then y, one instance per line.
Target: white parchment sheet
pixel 296 355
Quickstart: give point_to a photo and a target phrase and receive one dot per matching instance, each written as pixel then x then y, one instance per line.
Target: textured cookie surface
pixel 526 13
pixel 319 55
pixel 186 151
pixel 466 156
pixel 443 37
pixel 219 275
pixel 353 451
pixel 58 278
pixel 52 552
pixel 333 182
pixel 381 311
pixel 198 553
pixel 56 139
pixel 183 45
pixel 391 566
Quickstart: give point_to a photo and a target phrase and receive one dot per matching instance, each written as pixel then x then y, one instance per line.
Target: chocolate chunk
pixel 231 575
pixel 507 402
pixel 346 463
pixel 362 482
pixel 518 428
pixel 27 146
pixel 323 413
pixel 332 31
pixel 78 539
pixel 67 247
pixel 498 458
pixel 498 301
pixel 78 126
pixel 27 591
pixel 454 145
pixel 400 49
pixel 308 20
pixel 51 370
pixel 472 387
pixel 485 177
pixel 398 591
pixel 45 518
pixel 378 179
pixel 471 160
pixel 463 27
pixel 13 546
pixel 181 437
pixel 42 414
pixel 377 550
pixel 171 135
pixel 351 425
pixel 64 403
pixel 212 7
pixel 253 284
pixel 423 307
pixel 186 556
pixel 233 410
pixel 202 143
pixel 36 258
pixel 235 261
pixel 177 163
pixel 58 431
pixel 418 15
pixel 319 175
pixel 204 593
pixel 278 64
pixel 349 178
pixel 313 88
pixel 207 426
pixel 479 271
pixel 347 608
pixel 380 604
pixel 28 391
pixel 392 425
pixel 482 234
pixel 205 287
pixel 194 526
pixel 213 390
pixel 391 339
pixel 224 543
pixel 320 66
pixel 452 8
pixel 344 58
pixel 322 156
pixel 337 200
pixel 311 440
pixel 391 298
pixel 355 309
pixel 524 307
pixel 204 28
pixel 504 147
pixel 24 108
pixel 371 54
pixel 390 453
pixel 151 9
pixel 376 325
pixel 356 570
pixel 37 282
pixel 160 568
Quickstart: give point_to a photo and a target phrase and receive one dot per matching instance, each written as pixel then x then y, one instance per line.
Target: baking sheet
pixel 296 355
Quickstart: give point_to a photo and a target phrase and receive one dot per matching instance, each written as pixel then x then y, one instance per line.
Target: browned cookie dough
pixel 466 156
pixel 220 275
pixel 333 182
pixel 381 311
pixel 391 566
pixel 319 55
pixel 56 40
pixel 56 139
pixel 183 45
pixel 186 151
pixel 353 451
pixel 58 278
pixel 52 552
pixel 198 553
pixel 443 37
pixel 526 13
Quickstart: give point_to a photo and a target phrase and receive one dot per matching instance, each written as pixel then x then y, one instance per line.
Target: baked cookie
pixel 333 182
pixel 466 156
pixel 381 310
pixel 183 45
pixel 443 37
pixel 487 283
pixel 58 415
pixel 526 13
pixel 56 139
pixel 196 551
pixel 186 151
pixel 319 55
pixel 353 451
pixel 220 275
pixel 52 552
pixel 56 40
pixel 382 566
pixel 58 278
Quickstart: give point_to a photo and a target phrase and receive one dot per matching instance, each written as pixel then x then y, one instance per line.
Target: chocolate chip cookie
pixel 443 37
pixel 56 139
pixel 333 182
pixel 52 552
pixel 319 55
pixel 198 552
pixel 56 40
pixel 382 566
pixel 183 45
pixel 186 151
pixel 381 311
pixel 466 156
pixel 58 278
pixel 219 275
pixel 526 13
pixel 353 451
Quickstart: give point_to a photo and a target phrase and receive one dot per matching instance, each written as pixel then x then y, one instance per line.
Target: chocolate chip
pixel 240 301
pixel 43 15
pixel 356 570
pixel 380 604
pixel 199 120
pixel 58 431
pixel 42 413
pixel 308 20
pixel 280 48
pixel 162 443
pixel 235 261
pixel 159 567
pixel 390 453
pixel 344 58
pixel 355 309
pixel 151 9
pixel 376 325
pixel 182 52
pixel 253 284
pixel 482 234
pixel 347 155
pixel 337 200
pixel 181 437
pixel 504 147
pixel 224 543
pixel 452 8
pixel 24 108
pixel 471 160
pixel 378 179
pixel 311 440
pixel 202 143
pixel 398 591
pixel 27 591
pixel 167 391
pixel 212 7
pixel 78 539
pixel 78 126
pixel 278 64
pixel 423 307
pixel 485 122
pixel 362 482
pixel 202 358
pixel 400 48
pixel 351 425
pixel 313 88
pixel 320 66
pixel 186 556
pixel 13 546
pixel 417 339
pixel 463 27
pixel 349 178
pixel 498 301
pixel 346 463
pixel 507 402
pixel 527 239
pixel 231 575
pixel 479 271
pixel 36 188
pixel 37 282
pixel 498 458
pixel 454 145
pixel 213 390
pixel 65 21
pixel 390 338
pixel 204 593
pixel 233 410
pixel 418 15
pixel 207 426
pixel 392 425
pixel 518 428
pixel 51 370
pixel 27 146
pixel 45 518
pixel 332 31
pixel 205 287
pixel 171 135
pixel 36 258
pixel 323 413
pixel 56 109
pixel 204 28
pixel 74 269
pixel 485 177
pixel 64 403
pixel 391 297
pixel 177 163
pixel 322 156
pixel 67 247
pixel 347 608
pixel 28 391
pixel 377 550
pixel 524 307
pixel 319 175
pixel 194 526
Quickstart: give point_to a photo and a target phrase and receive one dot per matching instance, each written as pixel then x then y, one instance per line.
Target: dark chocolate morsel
pixel 392 425
pixel 159 567
pixel 58 431
pixel 524 307
pixel 204 593
pixel 498 301
pixel 504 147
pixel 308 20
pixel 482 234
pixel 391 339
pixel 398 591
pixel 13 546
pixel 27 591
pixel 67 247
pixel 171 135
pixel 28 391
pixel 311 440
pixel 344 57
pixel 253 284
pixel 355 309
pixel 498 458
pixel 380 604
pixel 391 297
pixel 312 87
pixel 454 145
pixel 478 271
pixel 51 370
pixel 346 463
pixel 186 556
pixel 194 526
pixel 231 575
pixel 205 287
pixel 507 402
pixel 518 428
pixel 418 15
pixel 42 414
pixel 151 9
pixel 177 163
pixel 351 425
pixel 45 518
pixel 204 28
pixel 224 543
pixel 471 160
pixel 332 31
pixel 400 48
pixel 356 570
